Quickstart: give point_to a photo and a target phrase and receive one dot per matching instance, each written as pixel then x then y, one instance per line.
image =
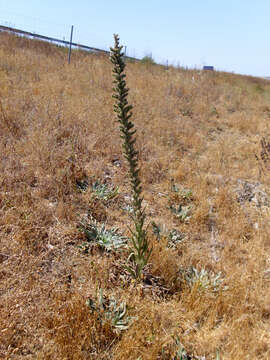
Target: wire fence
pixel 54 40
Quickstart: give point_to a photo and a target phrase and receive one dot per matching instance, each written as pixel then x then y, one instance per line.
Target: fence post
pixel 125 53
pixel 70 44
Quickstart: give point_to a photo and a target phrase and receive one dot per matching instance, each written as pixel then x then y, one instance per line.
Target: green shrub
pixel 148 60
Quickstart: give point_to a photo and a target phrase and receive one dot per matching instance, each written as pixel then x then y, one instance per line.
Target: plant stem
pixel 140 251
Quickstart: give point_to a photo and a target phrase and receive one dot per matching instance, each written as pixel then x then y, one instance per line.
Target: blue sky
pixel 232 35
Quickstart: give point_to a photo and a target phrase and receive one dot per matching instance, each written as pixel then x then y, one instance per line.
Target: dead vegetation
pixel 206 289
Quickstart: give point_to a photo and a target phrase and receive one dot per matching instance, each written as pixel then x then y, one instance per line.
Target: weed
pixel 179 202
pixel 174 236
pixel 110 310
pixel 181 212
pixel 82 185
pixel 176 349
pixel 139 251
pixel 128 208
pixel 185 194
pixel 156 230
pixel 104 191
pixel 100 191
pixel 204 279
pixel 108 239
pixel 181 353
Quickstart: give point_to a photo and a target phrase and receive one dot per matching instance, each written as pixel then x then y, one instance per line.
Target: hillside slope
pixel 206 197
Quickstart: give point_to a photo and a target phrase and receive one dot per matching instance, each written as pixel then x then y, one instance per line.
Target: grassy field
pixel 64 189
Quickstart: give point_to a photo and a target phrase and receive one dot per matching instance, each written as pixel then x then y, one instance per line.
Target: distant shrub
pixel 148 60
pixel 259 88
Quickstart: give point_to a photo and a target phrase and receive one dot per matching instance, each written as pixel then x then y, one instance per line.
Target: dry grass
pixel 197 130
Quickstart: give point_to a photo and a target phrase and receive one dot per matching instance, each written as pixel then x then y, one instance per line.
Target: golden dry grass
pixel 199 130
